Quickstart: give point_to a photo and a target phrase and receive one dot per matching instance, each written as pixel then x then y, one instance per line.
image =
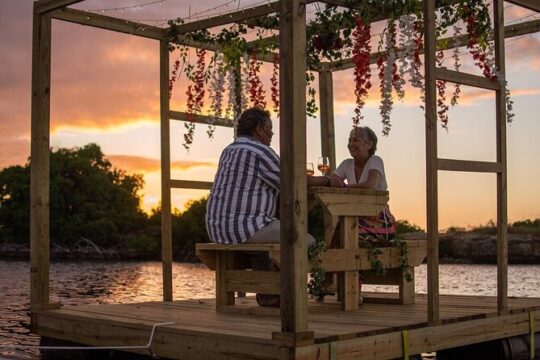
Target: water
pixel 123 282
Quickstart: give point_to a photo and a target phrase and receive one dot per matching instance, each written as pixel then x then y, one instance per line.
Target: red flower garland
pixel 476 51
pixel 362 70
pixel 195 95
pixel 275 84
pixel 256 91
pixel 199 80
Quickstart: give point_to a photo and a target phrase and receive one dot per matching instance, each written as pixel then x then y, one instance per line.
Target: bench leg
pixel 224 262
pixel 406 288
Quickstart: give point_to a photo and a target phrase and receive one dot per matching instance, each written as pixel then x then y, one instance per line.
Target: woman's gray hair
pixel 367 134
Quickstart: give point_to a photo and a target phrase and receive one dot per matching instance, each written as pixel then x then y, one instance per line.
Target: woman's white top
pixel 346 170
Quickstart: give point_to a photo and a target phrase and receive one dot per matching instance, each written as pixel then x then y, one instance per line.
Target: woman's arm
pixel 371 183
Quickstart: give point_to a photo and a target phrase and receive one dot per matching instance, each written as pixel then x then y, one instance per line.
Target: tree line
pixel 92 200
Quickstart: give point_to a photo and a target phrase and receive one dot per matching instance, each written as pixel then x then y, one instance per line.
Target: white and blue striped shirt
pixel 244 196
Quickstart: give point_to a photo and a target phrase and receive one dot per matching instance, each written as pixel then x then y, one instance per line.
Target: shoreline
pixel 454 248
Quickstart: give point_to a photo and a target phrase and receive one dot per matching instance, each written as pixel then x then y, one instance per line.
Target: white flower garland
pixel 244 100
pixel 457 64
pixel 217 87
pixel 387 101
pixel 406 44
pixel 230 111
pixel 215 92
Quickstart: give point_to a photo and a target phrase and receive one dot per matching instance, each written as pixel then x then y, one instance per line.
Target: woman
pixel 366 171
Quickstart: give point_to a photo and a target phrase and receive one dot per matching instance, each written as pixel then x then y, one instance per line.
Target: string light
pixel 123 8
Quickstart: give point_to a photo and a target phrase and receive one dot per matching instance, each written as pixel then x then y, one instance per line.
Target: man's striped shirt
pixel 243 198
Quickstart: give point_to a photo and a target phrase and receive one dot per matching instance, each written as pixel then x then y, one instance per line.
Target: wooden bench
pixel 232 264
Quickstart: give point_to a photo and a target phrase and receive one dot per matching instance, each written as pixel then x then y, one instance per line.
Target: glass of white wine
pixel 323 165
pixel 309 169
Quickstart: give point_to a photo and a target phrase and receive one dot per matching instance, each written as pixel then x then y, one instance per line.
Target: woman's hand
pixel 336 181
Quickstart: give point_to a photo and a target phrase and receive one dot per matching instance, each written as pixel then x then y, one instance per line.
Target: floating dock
pixel 247 331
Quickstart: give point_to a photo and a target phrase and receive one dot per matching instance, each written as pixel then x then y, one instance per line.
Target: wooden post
pixel 166 231
pixel 431 163
pixel 502 215
pixel 39 166
pixel 292 37
pixel 326 100
pixel 349 240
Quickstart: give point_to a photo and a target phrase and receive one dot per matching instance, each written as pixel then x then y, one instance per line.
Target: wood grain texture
pixel 502 192
pixel 432 207
pixel 166 220
pixel 39 152
pixel 293 194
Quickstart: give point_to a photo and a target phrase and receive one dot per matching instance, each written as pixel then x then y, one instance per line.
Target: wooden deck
pixel 245 331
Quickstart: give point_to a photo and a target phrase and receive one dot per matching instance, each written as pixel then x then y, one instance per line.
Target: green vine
pixel 369 243
pixel 318 274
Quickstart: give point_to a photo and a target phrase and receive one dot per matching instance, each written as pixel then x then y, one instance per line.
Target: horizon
pixel 105 89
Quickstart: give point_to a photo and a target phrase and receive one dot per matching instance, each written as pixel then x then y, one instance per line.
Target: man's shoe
pixel 268 300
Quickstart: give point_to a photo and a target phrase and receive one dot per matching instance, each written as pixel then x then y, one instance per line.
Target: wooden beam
pixel 166 221
pixel 189 184
pixel 376 13
pixel 533 5
pixel 502 197
pixel 109 23
pixel 200 119
pixel 232 17
pixel 293 193
pixel 326 101
pixel 39 155
pixel 432 207
pixel 468 166
pixel 43 6
pixel 466 79
pixel 447 43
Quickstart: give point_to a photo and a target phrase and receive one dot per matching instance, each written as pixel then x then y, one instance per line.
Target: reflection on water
pixel 105 283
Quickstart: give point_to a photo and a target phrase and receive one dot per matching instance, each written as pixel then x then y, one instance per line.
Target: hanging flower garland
pixel 274 80
pixel 385 66
pixel 406 45
pixel 195 94
pixel 216 89
pixel 244 80
pixel 478 24
pixel 362 70
pixel 442 107
pixel 391 41
pixel 174 76
pixel 457 64
pixel 255 89
pixel 232 100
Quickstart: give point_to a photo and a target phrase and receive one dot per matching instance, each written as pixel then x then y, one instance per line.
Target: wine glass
pixel 309 169
pixel 323 165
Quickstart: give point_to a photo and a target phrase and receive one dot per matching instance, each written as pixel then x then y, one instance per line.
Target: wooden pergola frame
pixel 292 40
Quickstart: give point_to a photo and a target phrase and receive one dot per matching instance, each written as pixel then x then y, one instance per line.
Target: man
pixel 244 198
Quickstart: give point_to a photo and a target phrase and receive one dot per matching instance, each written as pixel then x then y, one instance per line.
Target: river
pixel 122 282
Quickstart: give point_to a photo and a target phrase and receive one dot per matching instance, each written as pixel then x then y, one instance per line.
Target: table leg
pixel 349 240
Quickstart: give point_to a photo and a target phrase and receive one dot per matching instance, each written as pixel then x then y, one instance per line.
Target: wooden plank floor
pixel 252 326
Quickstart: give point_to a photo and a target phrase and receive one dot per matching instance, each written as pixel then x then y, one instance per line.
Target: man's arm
pixel 318 181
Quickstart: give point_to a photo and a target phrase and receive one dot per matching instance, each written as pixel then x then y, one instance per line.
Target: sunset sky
pixel 105 89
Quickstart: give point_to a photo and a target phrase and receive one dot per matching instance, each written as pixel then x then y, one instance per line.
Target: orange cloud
pixel 133 163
